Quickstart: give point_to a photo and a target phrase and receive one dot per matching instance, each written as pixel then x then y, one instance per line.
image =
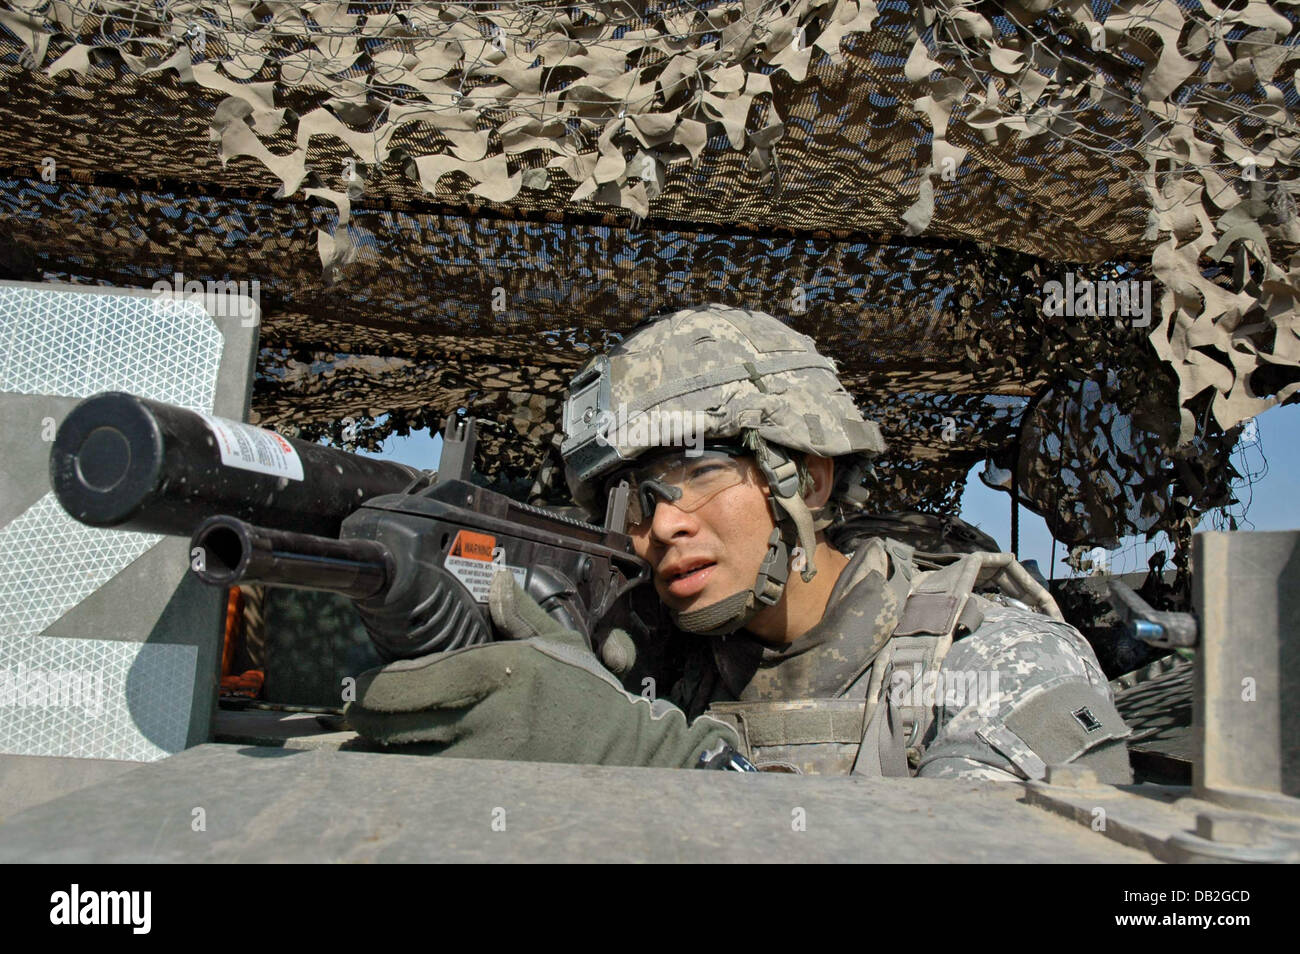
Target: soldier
pixel 741 450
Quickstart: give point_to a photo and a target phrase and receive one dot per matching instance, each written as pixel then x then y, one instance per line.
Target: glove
pixel 540 697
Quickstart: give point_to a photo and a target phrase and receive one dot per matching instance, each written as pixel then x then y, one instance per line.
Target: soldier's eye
pixel 703 473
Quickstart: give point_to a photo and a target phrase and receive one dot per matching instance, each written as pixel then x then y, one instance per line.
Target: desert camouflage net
pixel 449 205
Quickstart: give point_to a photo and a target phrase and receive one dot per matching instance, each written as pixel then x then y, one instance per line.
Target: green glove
pixel 542 698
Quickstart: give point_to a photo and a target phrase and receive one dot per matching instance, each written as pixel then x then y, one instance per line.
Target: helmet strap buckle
pixel 788 508
pixel 780 470
pixel 773 571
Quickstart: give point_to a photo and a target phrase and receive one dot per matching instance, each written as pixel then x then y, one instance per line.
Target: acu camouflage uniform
pixel 1017 691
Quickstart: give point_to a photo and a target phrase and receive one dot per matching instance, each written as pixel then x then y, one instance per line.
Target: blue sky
pixel 418 449
pixel 1270 503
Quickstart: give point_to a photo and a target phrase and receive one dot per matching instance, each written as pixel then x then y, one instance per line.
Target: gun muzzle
pixel 226 551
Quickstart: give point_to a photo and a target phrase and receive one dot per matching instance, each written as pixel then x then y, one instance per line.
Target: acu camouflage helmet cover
pixel 708 373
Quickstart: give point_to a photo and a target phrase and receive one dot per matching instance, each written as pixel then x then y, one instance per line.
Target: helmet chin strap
pixel 788 507
pixel 729 614
pixel 793 520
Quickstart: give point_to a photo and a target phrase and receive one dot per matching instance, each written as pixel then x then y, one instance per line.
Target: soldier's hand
pixel 541 696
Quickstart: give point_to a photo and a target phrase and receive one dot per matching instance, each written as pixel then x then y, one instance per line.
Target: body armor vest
pixel 864 729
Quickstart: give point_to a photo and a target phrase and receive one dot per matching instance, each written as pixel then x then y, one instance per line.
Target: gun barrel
pixel 227 551
pixel 129 463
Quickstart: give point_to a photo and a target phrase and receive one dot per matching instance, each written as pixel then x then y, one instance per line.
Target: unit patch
pixel 1086 719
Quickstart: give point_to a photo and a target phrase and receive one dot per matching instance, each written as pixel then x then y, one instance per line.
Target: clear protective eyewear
pixel 687 480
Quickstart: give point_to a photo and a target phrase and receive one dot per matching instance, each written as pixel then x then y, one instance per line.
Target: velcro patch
pixel 796 722
pixel 932 613
pixel 814 428
pixel 1062 723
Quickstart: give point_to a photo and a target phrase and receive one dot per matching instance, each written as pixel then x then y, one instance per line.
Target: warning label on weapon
pixel 474 558
pixel 251 448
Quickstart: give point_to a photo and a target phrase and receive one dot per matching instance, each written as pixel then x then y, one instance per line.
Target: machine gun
pixel 415 551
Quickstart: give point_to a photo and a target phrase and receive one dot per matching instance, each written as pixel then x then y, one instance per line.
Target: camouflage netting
pixel 450 205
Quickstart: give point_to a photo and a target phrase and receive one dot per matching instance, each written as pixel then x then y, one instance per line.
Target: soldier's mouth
pixel 691 580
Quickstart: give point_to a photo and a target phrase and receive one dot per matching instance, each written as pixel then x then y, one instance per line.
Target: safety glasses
pixel 687 480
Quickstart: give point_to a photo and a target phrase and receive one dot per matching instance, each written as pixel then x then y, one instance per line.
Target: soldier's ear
pixel 822 472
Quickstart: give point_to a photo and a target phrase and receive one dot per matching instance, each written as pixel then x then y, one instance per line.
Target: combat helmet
pixel 737 374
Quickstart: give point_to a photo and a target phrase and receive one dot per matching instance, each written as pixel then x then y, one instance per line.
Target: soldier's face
pixel 710 553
